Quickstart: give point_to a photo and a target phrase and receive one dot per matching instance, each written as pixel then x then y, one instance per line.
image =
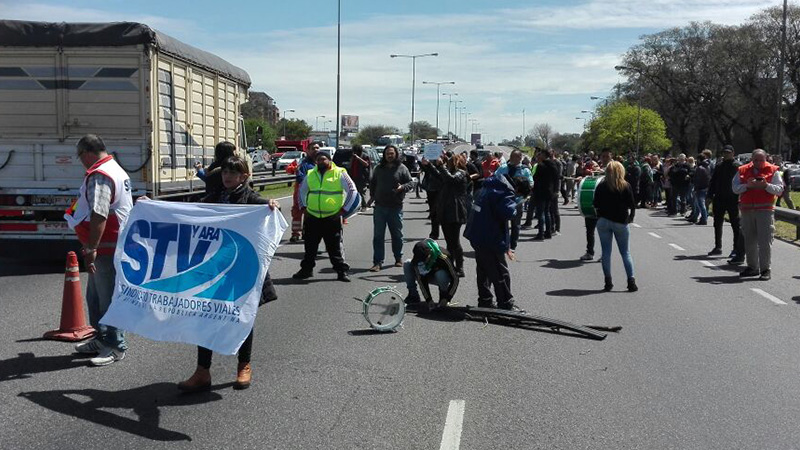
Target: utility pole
pixel 438 83
pixel 523 128
pixel 779 107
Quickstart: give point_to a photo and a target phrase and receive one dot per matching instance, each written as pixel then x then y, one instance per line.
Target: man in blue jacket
pixel 488 233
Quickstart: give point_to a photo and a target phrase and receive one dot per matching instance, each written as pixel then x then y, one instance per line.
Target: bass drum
pixel 586 190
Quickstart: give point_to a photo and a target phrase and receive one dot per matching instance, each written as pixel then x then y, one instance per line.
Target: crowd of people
pixel 492 199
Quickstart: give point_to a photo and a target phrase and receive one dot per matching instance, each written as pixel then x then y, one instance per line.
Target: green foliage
pixel 369 135
pixel 423 130
pixel 566 142
pixel 295 129
pixel 615 127
pixel 268 137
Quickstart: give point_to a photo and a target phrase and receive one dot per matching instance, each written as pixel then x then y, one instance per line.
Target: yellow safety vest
pixel 325 193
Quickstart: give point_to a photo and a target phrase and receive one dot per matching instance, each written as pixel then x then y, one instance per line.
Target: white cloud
pixel 502 60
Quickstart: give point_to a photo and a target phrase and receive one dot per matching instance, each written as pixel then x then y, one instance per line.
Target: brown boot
pixel 243 374
pixel 198 382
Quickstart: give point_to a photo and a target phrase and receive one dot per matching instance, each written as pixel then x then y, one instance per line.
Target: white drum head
pixel 384 309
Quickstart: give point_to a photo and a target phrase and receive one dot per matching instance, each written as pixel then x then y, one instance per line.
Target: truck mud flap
pixel 526 320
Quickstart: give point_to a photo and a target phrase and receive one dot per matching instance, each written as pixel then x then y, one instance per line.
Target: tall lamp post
pixel 316 122
pixel 584 122
pixel 466 135
pixel 638 106
pixel 284 120
pixel 438 83
pixel 338 67
pixel 457 117
pixel 778 135
pixel 523 129
pixel 413 83
pixel 448 112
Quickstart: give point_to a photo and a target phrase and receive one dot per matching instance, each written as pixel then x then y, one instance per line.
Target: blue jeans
pixel 544 217
pixel 440 278
pixel 621 232
pixel 700 206
pixel 381 218
pixel 99 291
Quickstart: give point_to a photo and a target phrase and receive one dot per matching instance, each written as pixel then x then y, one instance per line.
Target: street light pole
pixel 413 83
pixel 448 112
pixel 284 120
pixel 523 128
pixel 778 135
pixel 438 83
pixel 338 67
pixel 316 122
pixel 584 122
pixel 466 136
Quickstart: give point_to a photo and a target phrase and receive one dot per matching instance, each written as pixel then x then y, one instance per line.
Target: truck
pixel 159 104
pixel 286 145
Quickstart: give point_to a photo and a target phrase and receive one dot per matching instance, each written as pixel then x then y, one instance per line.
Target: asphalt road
pixel 702 360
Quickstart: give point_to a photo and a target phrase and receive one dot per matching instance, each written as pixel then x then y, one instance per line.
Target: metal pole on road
pixel 413 83
pixel 438 84
pixel 449 105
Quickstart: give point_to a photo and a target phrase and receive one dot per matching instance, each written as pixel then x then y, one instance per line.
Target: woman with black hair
pixel 212 175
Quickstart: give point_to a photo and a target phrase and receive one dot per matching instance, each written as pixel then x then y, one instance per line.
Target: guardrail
pixel 791 216
pixel 261 180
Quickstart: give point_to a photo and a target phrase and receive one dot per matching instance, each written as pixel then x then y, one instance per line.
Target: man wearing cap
pixel 758 184
pixel 326 195
pixel 724 200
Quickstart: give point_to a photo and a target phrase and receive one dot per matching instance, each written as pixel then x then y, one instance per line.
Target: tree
pixel 268 136
pixel 615 127
pixel 296 129
pixel 543 132
pixel 566 142
pixel 369 135
pixel 423 130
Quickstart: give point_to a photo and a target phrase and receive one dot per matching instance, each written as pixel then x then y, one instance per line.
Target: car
pixel 287 158
pixel 343 157
pixel 792 176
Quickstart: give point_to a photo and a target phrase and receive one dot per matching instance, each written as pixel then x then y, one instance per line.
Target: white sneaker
pixel 92 347
pixel 107 356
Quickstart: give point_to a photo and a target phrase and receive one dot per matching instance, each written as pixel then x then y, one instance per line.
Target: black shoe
pixel 486 304
pixel 343 277
pixel 609 285
pixel 460 273
pixel 538 237
pixel 715 251
pixel 548 236
pixel 511 307
pixel 303 274
pixel 749 272
pixel 766 275
pixel 736 261
pixel 412 299
pixel 434 237
pixel 702 222
pixel 632 285
pixel 525 226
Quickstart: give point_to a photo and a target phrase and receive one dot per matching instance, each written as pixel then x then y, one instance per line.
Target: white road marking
pixel 451 436
pixel 677 247
pixel 636 225
pixel 283 198
pixel 708 264
pixel 654 235
pixel 769 297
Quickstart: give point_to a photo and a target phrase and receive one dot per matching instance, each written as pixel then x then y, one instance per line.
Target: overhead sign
pixel 349 124
pixel 191 272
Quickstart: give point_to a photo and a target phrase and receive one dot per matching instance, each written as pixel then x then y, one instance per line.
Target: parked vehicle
pixel 160 106
pixel 288 157
pixel 343 157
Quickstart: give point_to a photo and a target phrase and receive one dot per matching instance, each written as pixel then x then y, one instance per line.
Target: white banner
pixel 193 272
pixel 433 151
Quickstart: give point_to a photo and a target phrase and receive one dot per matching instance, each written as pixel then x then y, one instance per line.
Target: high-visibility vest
pixel 325 193
pixel 79 214
pixel 756 199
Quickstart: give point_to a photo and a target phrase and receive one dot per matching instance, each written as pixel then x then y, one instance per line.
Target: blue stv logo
pixel 231 271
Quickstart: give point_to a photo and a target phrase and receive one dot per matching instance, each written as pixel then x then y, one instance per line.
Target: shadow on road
pixel 26 364
pixel 143 401
pixel 561 264
pixel 11 268
pixel 722 279
pixel 574 292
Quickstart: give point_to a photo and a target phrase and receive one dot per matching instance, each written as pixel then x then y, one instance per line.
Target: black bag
pixel 268 293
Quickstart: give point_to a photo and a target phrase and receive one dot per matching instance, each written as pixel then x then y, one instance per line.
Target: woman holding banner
pixel 235 190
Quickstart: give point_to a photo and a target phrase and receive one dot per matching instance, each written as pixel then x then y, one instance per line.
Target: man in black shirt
pixel 724 200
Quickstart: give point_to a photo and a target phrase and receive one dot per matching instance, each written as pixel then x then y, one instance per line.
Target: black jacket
pixel 545 180
pixel 385 179
pixel 720 188
pixel 679 175
pixel 702 176
pixel 451 206
pixel 617 207
pixel 423 253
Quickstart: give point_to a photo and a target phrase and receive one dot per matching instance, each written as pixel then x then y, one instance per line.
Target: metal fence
pixel 791 216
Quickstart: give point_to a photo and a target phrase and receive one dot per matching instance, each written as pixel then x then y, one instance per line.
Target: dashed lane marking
pixel 768 296
pixel 451 436
pixel 636 225
pixel 677 247
pixel 708 264
pixel 654 235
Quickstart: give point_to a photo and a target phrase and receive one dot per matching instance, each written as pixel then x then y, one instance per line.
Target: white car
pixel 288 157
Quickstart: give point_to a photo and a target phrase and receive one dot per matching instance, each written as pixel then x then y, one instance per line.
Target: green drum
pixel 586 196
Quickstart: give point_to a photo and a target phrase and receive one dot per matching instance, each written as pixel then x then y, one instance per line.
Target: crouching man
pixel 430 264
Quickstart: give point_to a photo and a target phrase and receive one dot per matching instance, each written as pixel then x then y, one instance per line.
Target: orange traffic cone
pixel 73 320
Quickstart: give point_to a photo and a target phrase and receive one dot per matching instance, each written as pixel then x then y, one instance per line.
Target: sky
pixel 544 57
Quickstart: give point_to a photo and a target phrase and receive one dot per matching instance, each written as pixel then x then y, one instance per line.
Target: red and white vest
pixel 757 199
pixel 78 215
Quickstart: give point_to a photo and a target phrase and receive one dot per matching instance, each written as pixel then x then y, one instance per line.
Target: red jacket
pixel 757 199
